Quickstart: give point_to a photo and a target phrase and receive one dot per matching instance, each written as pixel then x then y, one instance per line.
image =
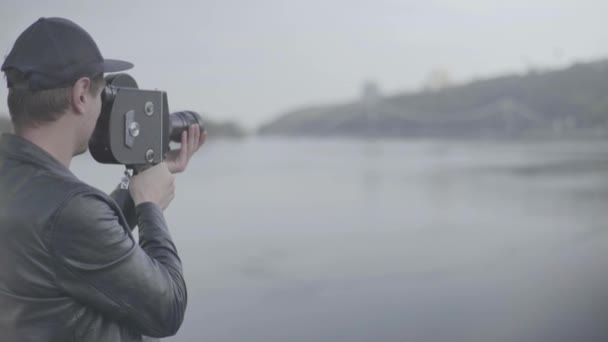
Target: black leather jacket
pixel 70 270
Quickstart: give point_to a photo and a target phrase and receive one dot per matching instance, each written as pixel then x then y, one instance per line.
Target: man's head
pixel 54 73
pixel 33 109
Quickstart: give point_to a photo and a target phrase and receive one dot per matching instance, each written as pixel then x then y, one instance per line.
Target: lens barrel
pixel 180 121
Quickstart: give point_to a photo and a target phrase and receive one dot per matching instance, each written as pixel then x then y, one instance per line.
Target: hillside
pixel 223 129
pixel 557 102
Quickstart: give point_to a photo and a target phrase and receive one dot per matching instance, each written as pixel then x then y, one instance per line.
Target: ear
pixel 81 95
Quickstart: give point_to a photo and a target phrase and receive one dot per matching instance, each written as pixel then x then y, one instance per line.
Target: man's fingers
pixel 185 144
pixel 201 141
pixel 193 139
pixel 184 137
pixel 197 139
pixel 182 158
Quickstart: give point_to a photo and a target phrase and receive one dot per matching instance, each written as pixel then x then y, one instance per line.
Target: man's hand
pixel 156 185
pixel 192 140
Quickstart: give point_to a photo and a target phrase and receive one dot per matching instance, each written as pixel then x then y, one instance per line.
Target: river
pixel 423 240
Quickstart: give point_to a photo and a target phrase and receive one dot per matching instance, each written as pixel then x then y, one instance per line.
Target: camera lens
pixel 180 121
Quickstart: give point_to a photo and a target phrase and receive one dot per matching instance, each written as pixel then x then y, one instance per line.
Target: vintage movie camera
pixel 135 127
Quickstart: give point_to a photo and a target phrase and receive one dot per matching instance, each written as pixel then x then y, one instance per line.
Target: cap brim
pixel 114 65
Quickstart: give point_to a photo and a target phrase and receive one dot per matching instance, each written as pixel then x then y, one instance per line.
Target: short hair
pixel 33 108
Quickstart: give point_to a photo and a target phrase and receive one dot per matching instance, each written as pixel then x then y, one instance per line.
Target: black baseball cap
pixel 55 52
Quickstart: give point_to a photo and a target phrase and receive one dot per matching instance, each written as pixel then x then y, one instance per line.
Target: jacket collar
pixel 17 147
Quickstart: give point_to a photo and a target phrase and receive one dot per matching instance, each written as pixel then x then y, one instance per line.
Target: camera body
pixel 135 127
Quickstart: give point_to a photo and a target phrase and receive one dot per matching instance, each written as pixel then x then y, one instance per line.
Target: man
pixel 70 269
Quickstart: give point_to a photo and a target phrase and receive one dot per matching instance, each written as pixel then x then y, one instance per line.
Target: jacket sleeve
pixel 98 262
pixel 123 198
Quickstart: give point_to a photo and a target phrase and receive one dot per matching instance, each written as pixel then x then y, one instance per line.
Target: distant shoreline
pixel 562 103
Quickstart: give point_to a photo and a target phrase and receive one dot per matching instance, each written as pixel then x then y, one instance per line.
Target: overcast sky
pixel 253 60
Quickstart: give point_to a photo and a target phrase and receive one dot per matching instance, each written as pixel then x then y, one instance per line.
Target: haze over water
pixel 421 240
